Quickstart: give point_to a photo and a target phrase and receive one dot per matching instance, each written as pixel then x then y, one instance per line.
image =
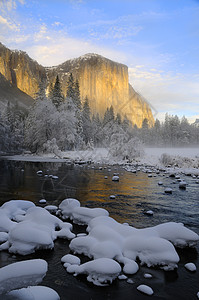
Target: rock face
pixel 21 70
pixel 103 81
pixel 13 95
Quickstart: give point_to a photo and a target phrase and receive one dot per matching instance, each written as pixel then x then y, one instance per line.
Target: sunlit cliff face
pixel 103 81
pixel 21 70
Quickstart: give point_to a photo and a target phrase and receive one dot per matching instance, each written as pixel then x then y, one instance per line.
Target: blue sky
pixel 157 39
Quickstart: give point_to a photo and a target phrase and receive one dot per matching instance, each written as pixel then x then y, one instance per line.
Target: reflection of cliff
pixel 103 81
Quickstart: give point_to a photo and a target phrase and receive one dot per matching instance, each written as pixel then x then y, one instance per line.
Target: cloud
pixel 8 25
pixel 56 48
pixel 170 92
pixel 8 5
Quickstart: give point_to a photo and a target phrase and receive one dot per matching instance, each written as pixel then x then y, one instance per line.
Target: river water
pixel 135 193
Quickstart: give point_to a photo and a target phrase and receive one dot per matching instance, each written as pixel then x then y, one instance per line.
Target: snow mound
pixel 22 274
pixel 13 210
pixel 37 228
pixel 70 208
pixel 70 259
pixel 34 293
pixel 67 207
pixel 145 289
pixel 190 267
pixel 154 246
pixel 100 271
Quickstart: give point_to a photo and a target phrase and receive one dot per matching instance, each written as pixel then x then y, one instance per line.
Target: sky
pixel 157 39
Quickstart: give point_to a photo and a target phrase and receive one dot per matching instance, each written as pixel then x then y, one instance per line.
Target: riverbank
pixel 181 159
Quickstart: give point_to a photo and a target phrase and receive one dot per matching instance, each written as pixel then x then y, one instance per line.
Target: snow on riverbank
pixel 184 158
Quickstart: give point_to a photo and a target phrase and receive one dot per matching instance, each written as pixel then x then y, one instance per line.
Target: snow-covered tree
pixel 76 94
pixel 86 121
pixel 57 96
pixel 40 125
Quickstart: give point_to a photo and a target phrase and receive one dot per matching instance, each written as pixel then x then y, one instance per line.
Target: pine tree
pixel 50 92
pixel 76 96
pixel 118 119
pixel 70 87
pixel 41 93
pixel 57 97
pixel 86 121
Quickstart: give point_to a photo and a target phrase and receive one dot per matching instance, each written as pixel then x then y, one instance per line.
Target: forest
pixel 56 123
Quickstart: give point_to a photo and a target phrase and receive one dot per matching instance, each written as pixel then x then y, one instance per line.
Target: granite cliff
pixel 22 71
pixel 103 81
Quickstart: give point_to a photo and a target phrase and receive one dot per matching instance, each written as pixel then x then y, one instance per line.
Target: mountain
pixel 10 93
pixel 103 81
pixel 22 71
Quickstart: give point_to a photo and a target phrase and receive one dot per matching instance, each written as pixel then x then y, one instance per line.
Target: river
pixel 135 193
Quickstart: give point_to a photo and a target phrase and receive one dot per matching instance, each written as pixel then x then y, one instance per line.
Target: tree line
pixel 56 123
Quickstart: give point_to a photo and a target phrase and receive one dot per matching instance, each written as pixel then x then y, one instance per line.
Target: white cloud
pixel 8 24
pixel 166 91
pixel 59 48
pixel 10 4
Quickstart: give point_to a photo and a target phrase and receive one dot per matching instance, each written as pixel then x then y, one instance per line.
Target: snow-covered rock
pixel 42 201
pixel 145 289
pixel 70 208
pixel 190 266
pixel 70 259
pixel 22 274
pixel 37 230
pixel 115 178
pixel 51 208
pixel 34 293
pixel 148 212
pixel 100 271
pixel 67 207
pixel 182 185
pixel 168 190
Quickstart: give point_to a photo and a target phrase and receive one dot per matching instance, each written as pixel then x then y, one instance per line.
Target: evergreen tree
pixel 41 93
pixel 50 91
pixel 86 121
pixel 118 119
pixel 76 96
pixel 70 87
pixel 57 97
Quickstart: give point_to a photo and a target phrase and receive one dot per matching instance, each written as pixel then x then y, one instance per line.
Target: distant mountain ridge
pixel 102 80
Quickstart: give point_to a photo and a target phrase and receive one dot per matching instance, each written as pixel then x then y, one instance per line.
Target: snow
pixel 186 158
pixel 22 274
pixel 147 275
pixel 113 248
pixel 153 246
pixel 115 178
pixel 145 289
pixel 70 259
pixel 122 277
pixel 42 201
pixel 183 185
pixel 100 271
pixel 190 266
pixel 70 208
pixel 34 293
pixel 37 228
pixel 149 212
pixel 168 191
pixel 51 208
